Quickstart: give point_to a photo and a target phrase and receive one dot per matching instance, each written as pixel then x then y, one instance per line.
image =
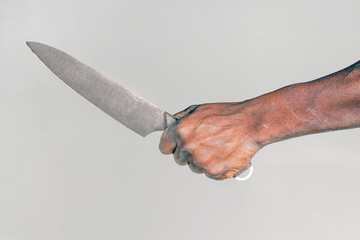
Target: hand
pixel 219 139
pixel 215 139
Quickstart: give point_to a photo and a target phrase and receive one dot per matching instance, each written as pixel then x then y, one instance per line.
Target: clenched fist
pixel 215 139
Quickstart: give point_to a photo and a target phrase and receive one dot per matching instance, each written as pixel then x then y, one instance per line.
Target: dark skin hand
pixel 219 139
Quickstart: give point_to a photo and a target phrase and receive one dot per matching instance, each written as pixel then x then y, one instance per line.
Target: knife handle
pixel 249 167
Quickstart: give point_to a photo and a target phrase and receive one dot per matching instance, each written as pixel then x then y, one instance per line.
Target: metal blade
pixel 120 103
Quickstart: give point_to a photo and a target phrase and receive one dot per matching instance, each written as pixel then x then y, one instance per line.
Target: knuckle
pixel 183 130
pixel 219 172
pixel 229 173
pixel 215 177
pixel 181 157
pixel 195 167
pixel 190 145
pixel 179 162
pixel 211 171
pixel 166 145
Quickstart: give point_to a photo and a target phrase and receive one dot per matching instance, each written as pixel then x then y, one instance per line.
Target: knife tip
pixel 33 45
pixel 30 44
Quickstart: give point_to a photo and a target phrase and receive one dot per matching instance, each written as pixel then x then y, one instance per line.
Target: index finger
pixel 168 142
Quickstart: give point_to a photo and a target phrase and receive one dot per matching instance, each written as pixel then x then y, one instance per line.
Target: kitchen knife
pixel 120 103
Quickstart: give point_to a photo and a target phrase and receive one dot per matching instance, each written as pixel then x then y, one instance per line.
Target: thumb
pixel 186 111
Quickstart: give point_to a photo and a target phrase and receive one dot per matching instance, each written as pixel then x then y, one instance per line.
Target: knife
pixel 123 105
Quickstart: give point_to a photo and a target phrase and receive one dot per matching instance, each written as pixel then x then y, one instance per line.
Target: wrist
pixel 329 103
pixel 267 117
pixel 282 114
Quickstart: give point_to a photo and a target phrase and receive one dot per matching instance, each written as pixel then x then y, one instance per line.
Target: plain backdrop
pixel 69 171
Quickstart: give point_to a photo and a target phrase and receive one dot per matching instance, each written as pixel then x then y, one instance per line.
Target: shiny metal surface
pixel 120 103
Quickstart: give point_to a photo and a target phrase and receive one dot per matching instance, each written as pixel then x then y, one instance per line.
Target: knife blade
pixel 125 106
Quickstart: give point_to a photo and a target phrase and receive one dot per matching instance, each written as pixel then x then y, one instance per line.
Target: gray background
pixel 68 171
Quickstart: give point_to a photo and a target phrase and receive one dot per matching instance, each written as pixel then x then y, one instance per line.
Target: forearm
pixel 329 103
pixel 220 139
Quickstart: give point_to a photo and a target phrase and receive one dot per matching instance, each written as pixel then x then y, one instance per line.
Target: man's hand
pixel 213 138
pixel 221 138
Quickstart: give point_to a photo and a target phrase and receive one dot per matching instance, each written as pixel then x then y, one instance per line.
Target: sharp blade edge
pixel 120 103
